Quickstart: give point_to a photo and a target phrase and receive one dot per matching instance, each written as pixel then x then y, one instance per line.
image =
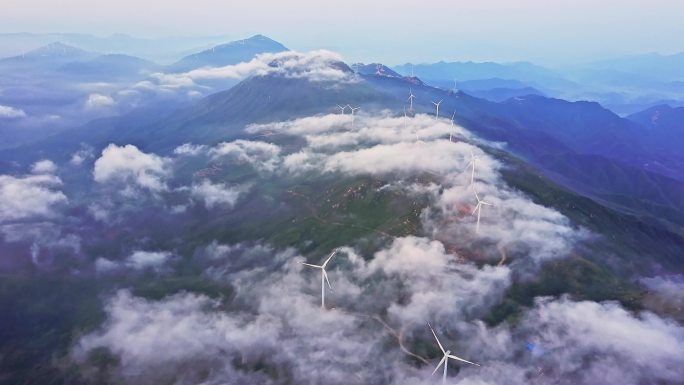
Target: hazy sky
pixel 544 31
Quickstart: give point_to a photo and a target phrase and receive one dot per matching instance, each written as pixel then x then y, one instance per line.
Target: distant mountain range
pixel 163 50
pixel 230 53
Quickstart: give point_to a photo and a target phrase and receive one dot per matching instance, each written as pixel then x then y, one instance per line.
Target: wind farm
pixel 170 204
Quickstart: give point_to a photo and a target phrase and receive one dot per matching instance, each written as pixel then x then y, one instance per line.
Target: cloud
pixel 315 66
pixel 189 149
pixel 129 165
pixel 271 328
pixel 260 155
pixel 30 196
pixel 138 260
pixel 147 259
pixel 587 342
pixel 217 194
pixel 281 324
pixel 44 166
pixel 7 112
pixel 96 101
pixel 80 156
pixel 47 239
pixel 275 321
pixel 515 228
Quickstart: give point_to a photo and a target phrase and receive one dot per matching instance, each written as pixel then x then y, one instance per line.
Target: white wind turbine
pixel 437 105
pixel 324 276
pixel 452 124
pixel 445 358
pixel 478 208
pixel 410 99
pixel 353 109
pixel 471 164
pixel 342 109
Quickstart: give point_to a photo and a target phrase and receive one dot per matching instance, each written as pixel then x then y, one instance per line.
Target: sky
pixel 551 32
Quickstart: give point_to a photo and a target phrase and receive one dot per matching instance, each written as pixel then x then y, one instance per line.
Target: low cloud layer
pixel 216 195
pixel 96 101
pixel 29 197
pixel 381 306
pixel 131 166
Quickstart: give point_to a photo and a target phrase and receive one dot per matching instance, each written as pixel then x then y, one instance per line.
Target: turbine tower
pixel 452 124
pixel 437 105
pixel 353 109
pixel 445 358
pixel 324 276
pixel 478 208
pixel 410 99
pixel 472 165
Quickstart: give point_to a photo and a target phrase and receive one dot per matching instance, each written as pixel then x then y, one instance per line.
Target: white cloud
pixel 29 196
pixel 8 112
pixel 44 166
pixel 103 265
pixel 402 147
pixel 316 66
pixel 217 194
pixel 130 165
pixel 260 155
pixel 147 259
pixel 96 101
pixel 189 149
pixel 78 157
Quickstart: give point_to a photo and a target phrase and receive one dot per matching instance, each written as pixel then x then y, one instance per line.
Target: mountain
pixel 503 94
pixel 110 67
pixel 581 145
pixel 47 57
pixel 664 123
pixel 225 54
pixel 377 69
pixel 638 68
pixel 466 71
pixel 663 118
pixel 488 84
pixel 162 49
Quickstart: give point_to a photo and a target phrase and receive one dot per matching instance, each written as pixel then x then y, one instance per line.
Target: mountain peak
pixel 57 49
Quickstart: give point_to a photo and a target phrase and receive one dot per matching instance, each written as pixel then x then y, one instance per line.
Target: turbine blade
pixel 308 264
pixel 329 258
pixel 438 343
pixel 475 209
pixel 438 365
pixel 461 359
pixel 325 275
pixel 486 203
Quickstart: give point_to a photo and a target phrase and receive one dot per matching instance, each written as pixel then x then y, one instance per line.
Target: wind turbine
pixel 452 124
pixel 410 99
pixel 324 276
pixel 342 109
pixel 478 208
pixel 472 164
pixel 445 358
pixel 437 105
pixel 353 109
